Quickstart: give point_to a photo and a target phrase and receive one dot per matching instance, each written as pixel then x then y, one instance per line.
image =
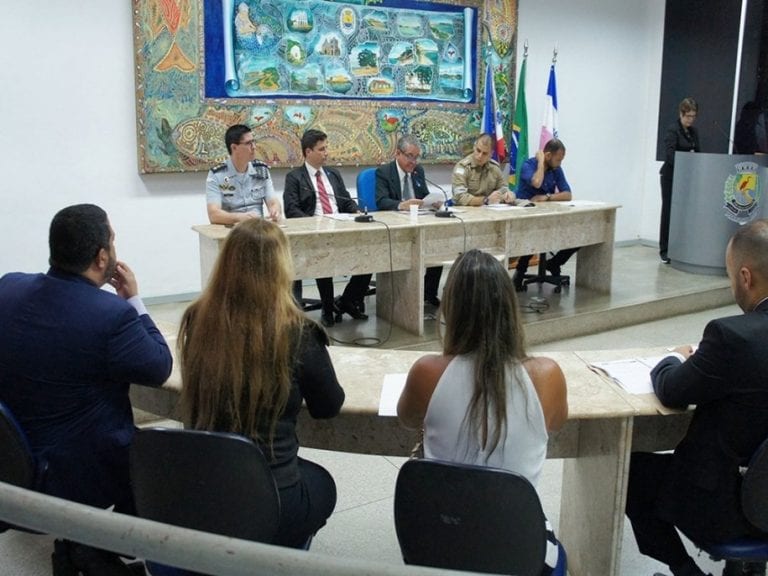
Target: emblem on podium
pixel 741 194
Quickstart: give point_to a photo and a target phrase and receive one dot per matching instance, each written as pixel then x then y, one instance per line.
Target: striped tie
pixel 325 202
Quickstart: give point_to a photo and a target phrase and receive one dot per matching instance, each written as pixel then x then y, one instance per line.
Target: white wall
pixel 68 127
pixel 608 73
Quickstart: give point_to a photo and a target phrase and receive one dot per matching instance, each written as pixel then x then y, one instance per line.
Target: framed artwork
pixel 364 71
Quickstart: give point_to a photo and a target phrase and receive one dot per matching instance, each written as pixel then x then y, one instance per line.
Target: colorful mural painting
pixel 319 48
pixel 363 71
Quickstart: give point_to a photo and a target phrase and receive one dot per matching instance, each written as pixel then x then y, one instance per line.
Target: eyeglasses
pixel 250 143
pixel 411 157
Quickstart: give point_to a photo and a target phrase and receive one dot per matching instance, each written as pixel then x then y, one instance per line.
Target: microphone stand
pixel 444 213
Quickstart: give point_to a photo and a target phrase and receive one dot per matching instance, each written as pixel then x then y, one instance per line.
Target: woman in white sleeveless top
pixel 484 401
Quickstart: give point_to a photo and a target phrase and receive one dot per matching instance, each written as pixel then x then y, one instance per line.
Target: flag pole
pixel 519 144
pixel 492 120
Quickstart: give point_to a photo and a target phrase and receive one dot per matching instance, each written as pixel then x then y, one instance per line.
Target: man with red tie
pixel 314 190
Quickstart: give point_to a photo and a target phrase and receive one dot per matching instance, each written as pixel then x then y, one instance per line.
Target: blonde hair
pixel 237 340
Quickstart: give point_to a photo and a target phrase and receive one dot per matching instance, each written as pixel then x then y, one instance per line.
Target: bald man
pixel 696 489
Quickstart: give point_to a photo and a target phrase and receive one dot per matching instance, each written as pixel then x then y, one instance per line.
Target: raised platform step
pixel 642 290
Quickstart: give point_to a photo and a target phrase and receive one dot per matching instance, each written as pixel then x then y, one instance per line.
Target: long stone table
pixel 596 441
pixel 398 249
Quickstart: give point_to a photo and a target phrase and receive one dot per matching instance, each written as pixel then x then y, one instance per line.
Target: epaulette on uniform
pixel 219 168
pixel 492 161
pixel 260 170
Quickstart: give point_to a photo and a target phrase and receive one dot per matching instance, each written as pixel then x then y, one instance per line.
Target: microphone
pixel 364 217
pixel 444 213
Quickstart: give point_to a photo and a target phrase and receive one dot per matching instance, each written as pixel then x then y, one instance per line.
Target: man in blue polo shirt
pixel 543 180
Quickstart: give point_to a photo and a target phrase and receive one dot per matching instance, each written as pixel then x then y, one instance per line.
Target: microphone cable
pixel 373 341
pixel 453 214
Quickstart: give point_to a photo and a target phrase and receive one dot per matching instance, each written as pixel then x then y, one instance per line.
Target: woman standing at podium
pixel 682 136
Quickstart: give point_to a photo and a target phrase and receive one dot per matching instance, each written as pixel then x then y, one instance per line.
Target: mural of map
pixel 317 48
pixel 364 71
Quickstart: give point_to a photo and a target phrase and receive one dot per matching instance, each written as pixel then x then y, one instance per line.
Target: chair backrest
pixel 17 465
pixel 463 517
pixel 754 489
pixel 210 481
pixel 366 189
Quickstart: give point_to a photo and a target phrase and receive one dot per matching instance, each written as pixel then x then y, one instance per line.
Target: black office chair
pixel 307 304
pixel 541 276
pixel 474 518
pixel 754 503
pixel 19 467
pixel 209 481
pixel 17 464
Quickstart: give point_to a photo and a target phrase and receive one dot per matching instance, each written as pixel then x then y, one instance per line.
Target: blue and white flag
pixel 492 120
pixel 549 125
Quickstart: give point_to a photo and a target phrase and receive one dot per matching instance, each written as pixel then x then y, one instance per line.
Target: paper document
pixel 433 198
pixel 420 212
pixel 340 216
pixel 584 203
pixel 390 393
pixel 632 374
pixel 502 206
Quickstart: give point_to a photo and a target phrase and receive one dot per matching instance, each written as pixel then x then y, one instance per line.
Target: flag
pixel 492 116
pixel 518 151
pixel 549 126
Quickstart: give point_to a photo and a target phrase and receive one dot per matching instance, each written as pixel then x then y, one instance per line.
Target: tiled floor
pixel 362 525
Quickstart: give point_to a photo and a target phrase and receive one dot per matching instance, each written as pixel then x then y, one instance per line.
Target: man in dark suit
pixel 68 354
pixel 313 190
pixel 696 489
pixel 401 184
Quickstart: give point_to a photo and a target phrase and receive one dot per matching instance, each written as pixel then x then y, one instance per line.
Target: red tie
pixel 325 202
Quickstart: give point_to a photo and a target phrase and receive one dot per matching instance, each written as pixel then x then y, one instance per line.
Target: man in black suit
pixel 314 190
pixel 401 184
pixel 696 489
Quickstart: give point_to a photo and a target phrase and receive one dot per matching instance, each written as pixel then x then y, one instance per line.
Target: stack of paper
pixel 632 374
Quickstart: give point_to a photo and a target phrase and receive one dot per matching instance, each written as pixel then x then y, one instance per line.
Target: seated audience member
pixel 477 179
pixel 313 190
pixel 696 489
pixel 542 180
pixel 239 188
pixel 69 352
pixel 401 184
pixel 484 401
pixel 249 358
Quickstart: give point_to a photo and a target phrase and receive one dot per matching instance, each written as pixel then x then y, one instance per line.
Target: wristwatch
pixel 549 197
pixel 485 201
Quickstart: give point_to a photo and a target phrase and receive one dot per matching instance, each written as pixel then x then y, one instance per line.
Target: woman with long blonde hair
pixel 484 401
pixel 249 357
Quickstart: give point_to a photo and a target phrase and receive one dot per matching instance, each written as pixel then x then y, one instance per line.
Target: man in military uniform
pixel 239 188
pixel 477 179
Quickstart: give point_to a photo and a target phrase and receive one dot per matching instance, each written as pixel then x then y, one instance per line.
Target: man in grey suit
pixel 696 489
pixel 401 184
